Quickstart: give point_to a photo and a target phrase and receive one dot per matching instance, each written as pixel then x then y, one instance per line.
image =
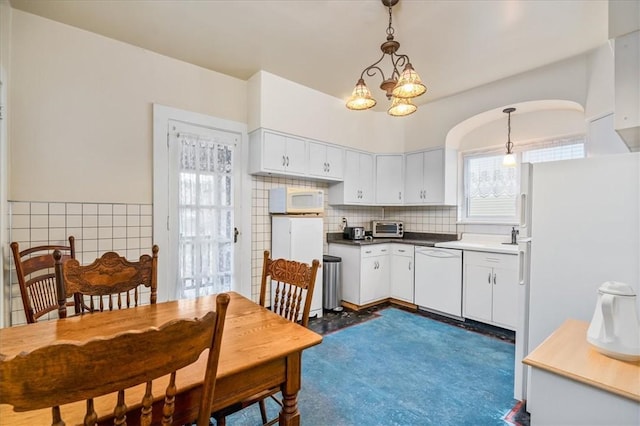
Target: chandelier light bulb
pixel 409 85
pixel 401 107
pixel 361 98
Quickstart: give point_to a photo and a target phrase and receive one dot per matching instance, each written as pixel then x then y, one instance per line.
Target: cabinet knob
pixel 489 278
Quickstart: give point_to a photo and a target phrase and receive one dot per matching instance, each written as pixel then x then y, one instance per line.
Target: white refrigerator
pixel 300 238
pixel 579 227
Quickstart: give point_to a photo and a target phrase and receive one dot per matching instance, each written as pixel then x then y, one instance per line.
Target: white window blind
pixel 491 188
pixel 554 153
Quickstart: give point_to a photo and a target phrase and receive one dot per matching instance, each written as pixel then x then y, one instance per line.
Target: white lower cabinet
pixel 401 275
pixel 491 288
pixel 375 272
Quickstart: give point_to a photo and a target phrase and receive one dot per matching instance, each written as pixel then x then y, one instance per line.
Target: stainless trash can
pixel 331 282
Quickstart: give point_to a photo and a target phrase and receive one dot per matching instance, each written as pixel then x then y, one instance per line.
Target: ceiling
pixel 325 44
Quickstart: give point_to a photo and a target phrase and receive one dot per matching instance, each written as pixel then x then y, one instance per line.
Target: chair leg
pixel 263 411
pixel 221 421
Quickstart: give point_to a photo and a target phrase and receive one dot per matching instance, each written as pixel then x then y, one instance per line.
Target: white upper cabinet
pixel 357 187
pixel 430 177
pixel 325 161
pixel 389 179
pixel 273 152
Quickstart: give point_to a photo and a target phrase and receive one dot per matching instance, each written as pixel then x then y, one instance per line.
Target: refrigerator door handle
pixel 523 210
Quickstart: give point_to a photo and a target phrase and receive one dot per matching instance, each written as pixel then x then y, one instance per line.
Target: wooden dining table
pixel 260 350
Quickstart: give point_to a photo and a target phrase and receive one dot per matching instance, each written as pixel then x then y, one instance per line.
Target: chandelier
pixel 400 88
pixel 509 159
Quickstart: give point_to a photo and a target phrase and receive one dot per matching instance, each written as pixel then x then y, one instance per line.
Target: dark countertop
pixel 424 239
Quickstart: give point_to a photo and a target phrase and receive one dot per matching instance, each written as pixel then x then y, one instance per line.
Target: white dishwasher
pixel 438 280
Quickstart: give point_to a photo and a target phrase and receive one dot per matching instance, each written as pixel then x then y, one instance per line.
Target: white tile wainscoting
pixel 97 228
pixel 127 228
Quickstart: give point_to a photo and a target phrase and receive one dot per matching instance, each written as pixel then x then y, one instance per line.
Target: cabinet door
pixel 296 155
pixel 274 151
pixel 365 178
pixel 505 297
pixel 401 278
pixel 389 179
pixel 477 292
pixel 352 191
pixel 317 159
pixel 369 279
pixel 414 179
pixel 381 283
pixel 434 176
pixel 334 162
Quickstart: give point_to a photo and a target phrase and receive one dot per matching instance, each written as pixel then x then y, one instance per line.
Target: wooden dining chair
pixel 36 278
pixel 70 371
pixel 292 289
pixel 110 282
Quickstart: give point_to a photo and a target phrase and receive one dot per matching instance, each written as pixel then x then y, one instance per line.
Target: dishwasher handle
pixel 439 253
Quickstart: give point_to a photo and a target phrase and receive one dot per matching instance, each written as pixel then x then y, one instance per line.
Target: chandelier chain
pixel 390 29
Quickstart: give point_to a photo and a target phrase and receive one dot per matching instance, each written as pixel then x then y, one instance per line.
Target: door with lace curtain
pixel 202 215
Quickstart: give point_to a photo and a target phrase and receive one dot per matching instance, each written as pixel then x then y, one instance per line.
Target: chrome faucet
pixel 514 235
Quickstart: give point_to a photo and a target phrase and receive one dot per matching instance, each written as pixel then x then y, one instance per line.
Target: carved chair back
pixel 292 288
pixel 294 283
pixel 110 282
pixel 66 372
pixel 36 277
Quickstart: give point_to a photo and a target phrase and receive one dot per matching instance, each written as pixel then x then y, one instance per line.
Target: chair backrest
pixel 36 277
pixel 66 372
pixel 293 291
pixel 110 282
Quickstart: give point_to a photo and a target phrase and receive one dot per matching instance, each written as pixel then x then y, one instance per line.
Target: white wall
pixel 564 80
pixel 81 126
pixel 279 104
pixel 5 49
pixel 525 127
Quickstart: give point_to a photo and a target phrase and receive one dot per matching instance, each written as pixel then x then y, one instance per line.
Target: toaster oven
pixel 387 229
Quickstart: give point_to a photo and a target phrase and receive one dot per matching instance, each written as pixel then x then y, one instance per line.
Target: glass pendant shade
pixel 409 85
pixel 509 160
pixel 401 107
pixel 361 97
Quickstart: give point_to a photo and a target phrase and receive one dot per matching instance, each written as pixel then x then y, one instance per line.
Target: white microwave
pixel 289 200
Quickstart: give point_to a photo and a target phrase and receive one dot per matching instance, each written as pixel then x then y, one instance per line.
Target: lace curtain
pixel 491 188
pixel 205 209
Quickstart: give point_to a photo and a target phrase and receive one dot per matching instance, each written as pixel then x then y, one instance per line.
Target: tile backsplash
pixel 416 219
pixel 97 228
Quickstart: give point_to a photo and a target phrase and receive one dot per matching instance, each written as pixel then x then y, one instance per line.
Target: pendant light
pixel 400 88
pixel 509 159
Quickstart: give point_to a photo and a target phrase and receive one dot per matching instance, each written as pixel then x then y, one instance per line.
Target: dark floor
pixel 336 320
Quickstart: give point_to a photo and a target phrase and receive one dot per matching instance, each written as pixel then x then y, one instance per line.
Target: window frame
pixel 463 217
